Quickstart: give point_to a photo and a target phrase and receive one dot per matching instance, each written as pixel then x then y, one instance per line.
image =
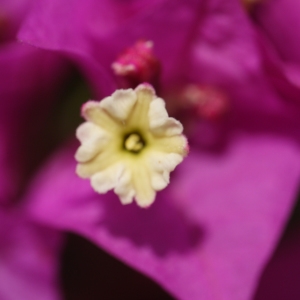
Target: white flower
pixel 129 144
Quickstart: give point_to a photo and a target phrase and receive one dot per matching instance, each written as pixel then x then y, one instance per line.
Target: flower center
pixel 134 143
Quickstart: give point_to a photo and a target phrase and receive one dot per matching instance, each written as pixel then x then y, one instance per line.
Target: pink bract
pixel 28 260
pixel 29 79
pixel 210 233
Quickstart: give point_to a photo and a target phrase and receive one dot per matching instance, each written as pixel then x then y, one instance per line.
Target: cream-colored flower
pixel 129 144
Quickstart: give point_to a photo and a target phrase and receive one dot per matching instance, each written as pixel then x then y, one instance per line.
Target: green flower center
pixel 133 142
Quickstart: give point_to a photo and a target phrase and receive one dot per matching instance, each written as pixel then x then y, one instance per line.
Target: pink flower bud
pixel 207 101
pixel 136 65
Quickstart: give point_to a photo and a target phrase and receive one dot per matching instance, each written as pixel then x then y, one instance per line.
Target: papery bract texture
pixel 99 32
pixel 279 20
pixel 212 229
pixel 29 79
pixel 28 258
pixel 204 235
pixel 276 23
pixel 26 93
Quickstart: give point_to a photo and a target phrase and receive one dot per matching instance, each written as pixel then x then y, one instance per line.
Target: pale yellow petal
pixel 104 159
pixel 107 179
pixel 157 112
pixel 170 127
pixel 93 112
pixel 115 177
pixel 161 164
pixel 160 180
pixel 138 119
pixel 124 187
pixel 173 144
pixel 145 194
pixel 119 104
pixel 159 121
pixel 160 161
pixel 92 138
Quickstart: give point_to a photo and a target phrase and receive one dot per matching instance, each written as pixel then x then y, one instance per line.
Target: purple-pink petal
pixel 28 258
pixel 279 19
pixel 214 42
pixel 29 79
pixel 208 234
pixel 276 23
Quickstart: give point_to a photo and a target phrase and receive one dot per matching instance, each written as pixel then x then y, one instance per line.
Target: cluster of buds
pixel 138 64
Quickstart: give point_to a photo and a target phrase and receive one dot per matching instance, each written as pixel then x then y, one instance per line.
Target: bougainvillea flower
pixel 210 232
pixel 29 79
pixel 28 258
pixel 129 144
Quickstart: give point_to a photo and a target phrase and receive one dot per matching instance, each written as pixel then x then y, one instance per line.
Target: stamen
pixel 134 143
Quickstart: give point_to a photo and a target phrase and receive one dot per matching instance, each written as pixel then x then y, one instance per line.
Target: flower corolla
pixel 129 144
